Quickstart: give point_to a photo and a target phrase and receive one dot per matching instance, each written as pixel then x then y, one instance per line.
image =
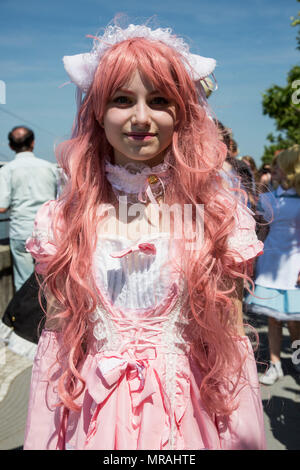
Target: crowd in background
pixel 253 179
pixel 273 194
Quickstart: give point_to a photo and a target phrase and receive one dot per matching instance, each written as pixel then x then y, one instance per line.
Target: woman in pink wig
pixel 143 259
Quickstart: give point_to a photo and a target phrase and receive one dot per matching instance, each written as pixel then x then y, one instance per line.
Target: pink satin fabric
pixel 125 405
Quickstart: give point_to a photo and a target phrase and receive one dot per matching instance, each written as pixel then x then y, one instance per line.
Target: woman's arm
pixel 238 304
pixel 237 311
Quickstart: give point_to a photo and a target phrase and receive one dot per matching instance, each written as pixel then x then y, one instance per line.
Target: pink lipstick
pixel 140 135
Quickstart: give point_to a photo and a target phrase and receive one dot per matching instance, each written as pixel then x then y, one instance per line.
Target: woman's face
pixel 139 123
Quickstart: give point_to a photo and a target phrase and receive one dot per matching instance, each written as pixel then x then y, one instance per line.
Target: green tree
pixel 296 22
pixel 283 105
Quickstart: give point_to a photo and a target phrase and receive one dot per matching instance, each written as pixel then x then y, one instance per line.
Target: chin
pixel 146 159
pixel 142 158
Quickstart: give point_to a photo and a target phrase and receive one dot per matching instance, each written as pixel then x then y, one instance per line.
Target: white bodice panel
pixel 136 281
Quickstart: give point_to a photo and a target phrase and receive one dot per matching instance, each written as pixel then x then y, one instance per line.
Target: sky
pixel 252 42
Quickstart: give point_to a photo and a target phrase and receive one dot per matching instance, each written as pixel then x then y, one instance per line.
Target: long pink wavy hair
pixel 197 156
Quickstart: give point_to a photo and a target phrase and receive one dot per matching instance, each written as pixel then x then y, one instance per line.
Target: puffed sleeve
pixel 244 428
pixel 243 240
pixel 41 243
pixel 43 417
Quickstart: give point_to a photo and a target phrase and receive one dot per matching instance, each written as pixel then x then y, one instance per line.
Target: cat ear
pixel 200 67
pixel 81 69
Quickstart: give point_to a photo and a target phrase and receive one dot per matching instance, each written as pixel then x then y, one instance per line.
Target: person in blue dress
pixel 277 280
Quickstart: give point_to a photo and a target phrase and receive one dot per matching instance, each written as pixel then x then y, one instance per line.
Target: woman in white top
pixel 277 287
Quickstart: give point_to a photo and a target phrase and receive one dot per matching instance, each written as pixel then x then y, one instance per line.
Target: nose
pixel 141 115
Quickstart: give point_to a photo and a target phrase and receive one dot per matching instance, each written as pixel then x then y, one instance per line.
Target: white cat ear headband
pixel 81 68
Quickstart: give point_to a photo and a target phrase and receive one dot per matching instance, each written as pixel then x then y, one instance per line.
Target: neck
pixel 22 151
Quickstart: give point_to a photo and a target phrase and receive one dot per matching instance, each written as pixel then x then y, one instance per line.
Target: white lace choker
pixel 139 182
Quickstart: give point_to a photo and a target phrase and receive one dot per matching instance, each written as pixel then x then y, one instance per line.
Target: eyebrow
pixel 129 92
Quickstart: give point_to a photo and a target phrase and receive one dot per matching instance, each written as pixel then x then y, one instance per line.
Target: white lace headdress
pixel 81 68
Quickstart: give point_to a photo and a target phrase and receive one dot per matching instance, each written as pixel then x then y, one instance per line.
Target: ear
pixel 176 118
pixel 101 123
pixel 176 124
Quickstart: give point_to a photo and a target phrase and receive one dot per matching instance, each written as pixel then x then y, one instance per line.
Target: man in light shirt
pixel 25 184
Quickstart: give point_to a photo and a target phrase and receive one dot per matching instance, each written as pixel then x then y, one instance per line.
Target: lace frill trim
pixel 138 182
pixel 81 68
pixel 131 177
pixel 109 337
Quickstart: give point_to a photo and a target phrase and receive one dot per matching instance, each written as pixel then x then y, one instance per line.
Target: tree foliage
pixel 283 105
pixel 296 22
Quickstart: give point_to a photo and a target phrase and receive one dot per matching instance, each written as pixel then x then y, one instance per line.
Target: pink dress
pixel 141 381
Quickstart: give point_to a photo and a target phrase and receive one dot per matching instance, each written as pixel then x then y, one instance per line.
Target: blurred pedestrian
pixel 277 289
pixel 25 184
pixel 251 163
pixel 233 148
pixel 264 178
pixel 247 181
pixel 236 173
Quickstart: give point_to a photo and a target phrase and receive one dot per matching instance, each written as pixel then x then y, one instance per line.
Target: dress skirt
pixel 129 405
pixel 281 304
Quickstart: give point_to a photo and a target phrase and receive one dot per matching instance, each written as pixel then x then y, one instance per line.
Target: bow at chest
pixel 146 248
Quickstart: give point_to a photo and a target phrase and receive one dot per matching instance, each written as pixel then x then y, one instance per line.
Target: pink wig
pixel 197 156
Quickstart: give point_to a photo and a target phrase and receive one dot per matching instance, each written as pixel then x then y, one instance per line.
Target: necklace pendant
pixel 152 179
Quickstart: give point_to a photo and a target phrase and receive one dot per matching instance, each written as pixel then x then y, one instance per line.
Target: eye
pixel 122 100
pixel 159 101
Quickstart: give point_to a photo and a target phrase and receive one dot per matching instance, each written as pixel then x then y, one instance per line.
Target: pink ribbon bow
pixel 146 248
pixel 110 371
pixel 113 368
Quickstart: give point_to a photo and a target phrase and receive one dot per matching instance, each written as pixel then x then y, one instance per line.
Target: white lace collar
pixel 138 181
